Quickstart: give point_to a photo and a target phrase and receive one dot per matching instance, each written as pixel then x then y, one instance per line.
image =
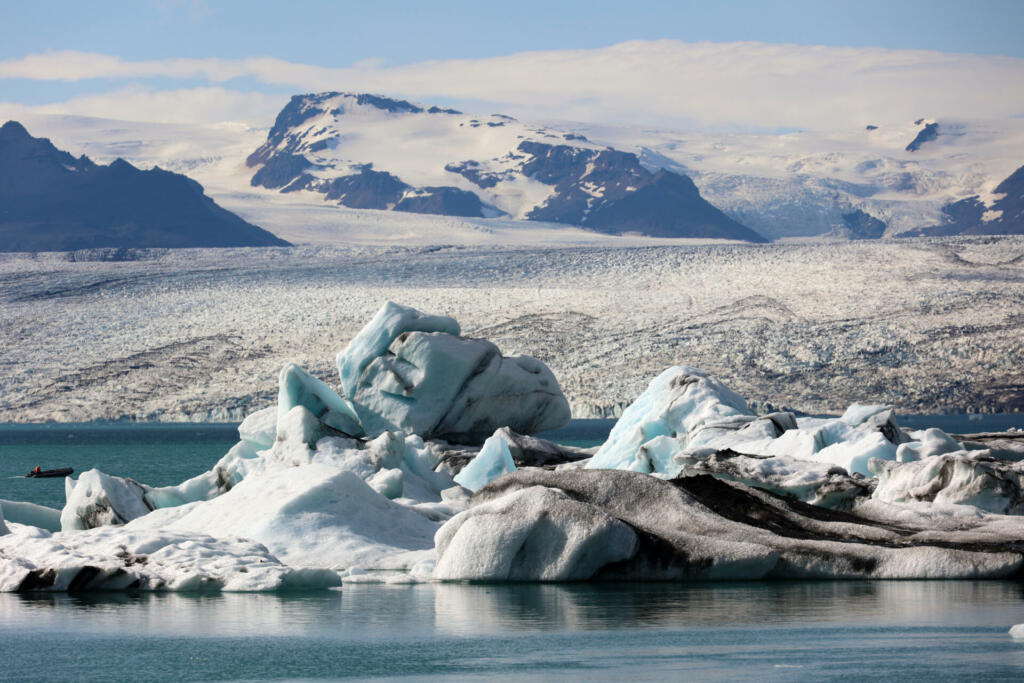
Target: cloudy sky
pixel 740 64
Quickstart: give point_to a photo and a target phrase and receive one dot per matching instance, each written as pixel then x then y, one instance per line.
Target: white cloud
pixel 665 82
pixel 196 105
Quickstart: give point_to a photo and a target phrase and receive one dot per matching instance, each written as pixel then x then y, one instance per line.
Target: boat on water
pixel 59 472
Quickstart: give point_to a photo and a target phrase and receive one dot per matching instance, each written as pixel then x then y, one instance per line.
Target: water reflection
pixel 362 611
pixel 465 609
pixel 922 630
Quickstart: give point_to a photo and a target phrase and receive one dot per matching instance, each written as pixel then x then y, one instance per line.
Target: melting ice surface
pixel 385 480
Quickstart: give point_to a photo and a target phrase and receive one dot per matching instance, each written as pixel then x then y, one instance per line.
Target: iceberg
pixel 677 405
pixel 959 478
pixel 296 387
pixel 534 534
pixel 703 528
pixel 311 516
pixel 118 558
pixel 493 460
pixel 98 499
pixel 409 372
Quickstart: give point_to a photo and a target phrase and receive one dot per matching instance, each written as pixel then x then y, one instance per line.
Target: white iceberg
pixel 98 499
pixel 677 404
pixel 959 478
pixel 120 558
pixel 310 516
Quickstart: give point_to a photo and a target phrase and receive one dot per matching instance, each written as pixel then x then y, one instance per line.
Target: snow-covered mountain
pixel 370 152
pixel 860 183
pixel 880 179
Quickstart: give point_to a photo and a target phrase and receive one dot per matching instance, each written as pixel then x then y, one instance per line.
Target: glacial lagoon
pixel 781 630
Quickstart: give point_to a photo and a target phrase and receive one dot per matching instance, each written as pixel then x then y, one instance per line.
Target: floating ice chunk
pixel 961 478
pixel 374 339
pixel 678 402
pixel 31 514
pixel 536 534
pixel 296 387
pixel 313 516
pixel 3 524
pixel 99 499
pixel 1017 631
pixel 493 460
pixel 857 413
pixel 811 482
pixel 853 454
pixel 413 373
pixel 260 428
pixel 124 558
pixel 931 442
pixel 701 527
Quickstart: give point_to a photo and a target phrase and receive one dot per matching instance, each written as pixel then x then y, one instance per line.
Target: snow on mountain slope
pixel 804 183
pixel 371 152
pixel 215 155
pixel 798 184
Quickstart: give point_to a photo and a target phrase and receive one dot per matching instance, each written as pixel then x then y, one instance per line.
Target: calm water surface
pixel 918 631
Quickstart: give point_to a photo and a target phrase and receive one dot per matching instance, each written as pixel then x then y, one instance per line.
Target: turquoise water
pixel 158 455
pixel 914 631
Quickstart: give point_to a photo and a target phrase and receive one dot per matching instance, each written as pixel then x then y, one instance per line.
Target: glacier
pixel 413 467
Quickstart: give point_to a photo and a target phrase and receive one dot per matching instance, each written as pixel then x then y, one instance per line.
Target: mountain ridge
pixel 52 201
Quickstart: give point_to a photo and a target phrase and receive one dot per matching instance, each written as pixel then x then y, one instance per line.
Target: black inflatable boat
pixel 59 472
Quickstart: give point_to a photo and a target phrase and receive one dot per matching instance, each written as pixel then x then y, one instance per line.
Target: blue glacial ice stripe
pixel 373 340
pixel 493 460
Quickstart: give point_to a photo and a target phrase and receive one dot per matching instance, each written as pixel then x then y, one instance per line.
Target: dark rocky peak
pixel 12 130
pixel 26 161
pixel 443 201
pixel 926 134
pixel 863 226
pixel 54 202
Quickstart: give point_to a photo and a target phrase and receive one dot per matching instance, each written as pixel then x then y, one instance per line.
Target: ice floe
pixel 386 480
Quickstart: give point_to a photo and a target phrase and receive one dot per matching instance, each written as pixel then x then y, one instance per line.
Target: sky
pixel 729 64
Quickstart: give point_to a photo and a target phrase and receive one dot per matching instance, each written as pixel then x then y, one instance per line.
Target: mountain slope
pixel 51 201
pixel 971 216
pixel 366 151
